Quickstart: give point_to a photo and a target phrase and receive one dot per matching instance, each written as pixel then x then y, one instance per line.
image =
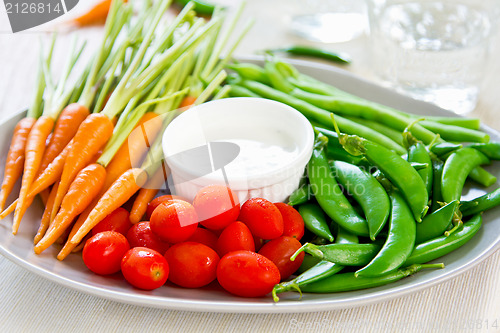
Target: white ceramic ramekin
pixel 193 142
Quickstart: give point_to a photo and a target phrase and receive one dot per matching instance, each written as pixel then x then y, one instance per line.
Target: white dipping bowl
pixel 272 143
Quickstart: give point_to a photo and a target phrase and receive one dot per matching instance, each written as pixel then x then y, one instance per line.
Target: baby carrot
pixel 187 101
pixel 35 147
pixel 82 191
pixel 15 158
pixel 44 223
pixel 91 136
pixel 95 15
pixel 146 194
pixel 121 190
pixel 66 126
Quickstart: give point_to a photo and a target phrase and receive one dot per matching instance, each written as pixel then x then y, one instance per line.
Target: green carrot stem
pixel 35 109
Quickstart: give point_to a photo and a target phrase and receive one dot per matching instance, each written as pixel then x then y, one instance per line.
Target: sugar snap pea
pixel 437 173
pixel 456 169
pixel 329 195
pixel 442 148
pixel 418 153
pixel 490 149
pixel 367 191
pixel 315 220
pixel 481 204
pixel 342 254
pixel 399 243
pixel 436 223
pixel 443 245
pixel 300 195
pixel 348 281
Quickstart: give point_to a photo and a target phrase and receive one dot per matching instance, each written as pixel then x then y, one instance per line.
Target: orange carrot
pixel 66 126
pixel 82 191
pixel 35 147
pixel 15 158
pixel 147 194
pixel 119 192
pixel 187 101
pixel 91 136
pixel 133 150
pixel 95 15
pixel 44 223
pixel 69 247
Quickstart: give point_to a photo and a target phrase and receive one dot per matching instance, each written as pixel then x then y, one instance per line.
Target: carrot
pixel 44 223
pixel 91 136
pixel 70 247
pixel 66 126
pixel 133 150
pixel 187 101
pixel 96 15
pixel 15 158
pixel 147 193
pixel 82 191
pixel 35 147
pixel 119 192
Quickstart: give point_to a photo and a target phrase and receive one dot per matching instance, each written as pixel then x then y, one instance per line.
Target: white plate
pixel 73 274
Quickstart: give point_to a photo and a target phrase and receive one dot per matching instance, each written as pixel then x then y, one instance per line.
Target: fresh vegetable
pixel 314 52
pixel 205 237
pixel 262 218
pixel 174 221
pixel 104 251
pixel 140 235
pixel 159 200
pixel 117 221
pixel 144 268
pixel 96 15
pixel 234 237
pixel 315 221
pixel 293 223
pixel 279 251
pixel 217 206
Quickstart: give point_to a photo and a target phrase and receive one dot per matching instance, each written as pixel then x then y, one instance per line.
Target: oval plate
pixel 73 274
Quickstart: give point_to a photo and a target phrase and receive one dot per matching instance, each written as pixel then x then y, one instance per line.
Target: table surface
pixel 29 302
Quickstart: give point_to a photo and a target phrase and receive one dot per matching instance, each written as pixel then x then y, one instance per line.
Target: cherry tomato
pixel 192 264
pixel 205 237
pixel 217 206
pixel 293 223
pixel 145 268
pixel 279 251
pixel 158 200
pixel 117 221
pixel 140 235
pixel 247 274
pixel 235 236
pixel 262 218
pixel 174 221
pixel 259 242
pixel 104 251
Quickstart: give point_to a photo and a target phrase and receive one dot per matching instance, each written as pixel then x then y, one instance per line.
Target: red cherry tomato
pixel 117 221
pixel 259 242
pixel 144 268
pixel 235 236
pixel 104 251
pixel 217 206
pixel 140 235
pixel 293 223
pixel 174 221
pixel 279 251
pixel 205 237
pixel 262 218
pixel 192 264
pixel 158 200
pixel 247 274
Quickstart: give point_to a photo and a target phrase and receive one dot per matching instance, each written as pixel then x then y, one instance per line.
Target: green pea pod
pixel 314 52
pixel 308 262
pixel 437 173
pixel 335 150
pixel 456 169
pixel 418 153
pixel 481 204
pixel 367 191
pixel 315 221
pixel 443 245
pixel 401 174
pixel 322 269
pixel 490 149
pixel 436 223
pixel 443 148
pixel 399 243
pixel 342 254
pixel 330 197
pixel 300 195
pixel 348 281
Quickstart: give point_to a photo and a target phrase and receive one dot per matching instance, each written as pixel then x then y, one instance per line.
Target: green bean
pixel 321 116
pixel 300 195
pixel 348 281
pixel 329 195
pixel 456 169
pixel 309 84
pixel 367 191
pixel 315 221
pixel 250 71
pixel 482 177
pixel 418 153
pixel 490 149
pixel 481 204
pixel 390 132
pixel 239 91
pixel 471 123
pixel 313 52
pixel 456 133
pixel 395 168
pixel 364 109
pixel 399 243
pixel 436 223
pixel 443 245
pixel 342 254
